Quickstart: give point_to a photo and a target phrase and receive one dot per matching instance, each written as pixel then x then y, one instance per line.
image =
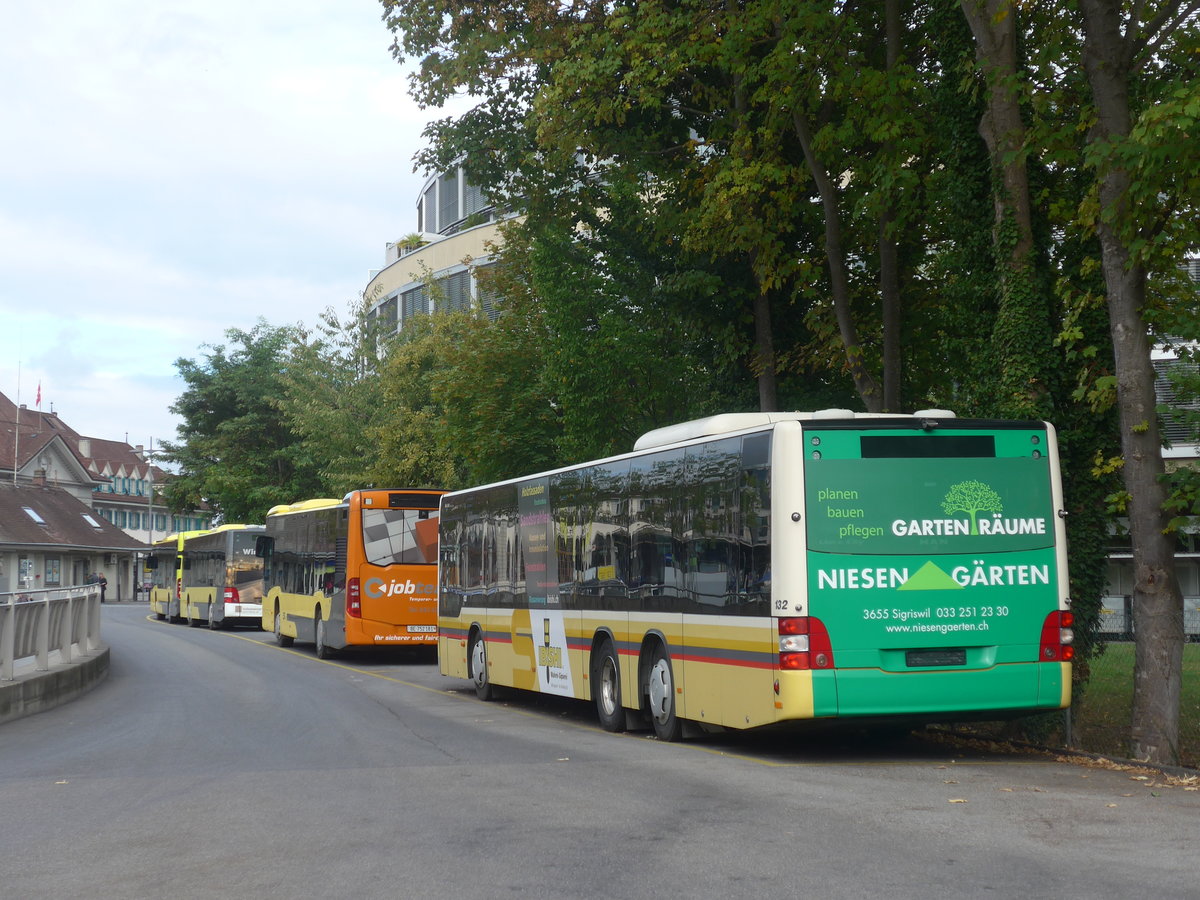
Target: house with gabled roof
pixel 49 538
pixel 114 481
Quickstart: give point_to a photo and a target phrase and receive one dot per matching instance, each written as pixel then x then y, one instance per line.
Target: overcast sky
pixel 169 171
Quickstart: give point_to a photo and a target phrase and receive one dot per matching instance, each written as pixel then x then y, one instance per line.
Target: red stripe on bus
pixel 717 661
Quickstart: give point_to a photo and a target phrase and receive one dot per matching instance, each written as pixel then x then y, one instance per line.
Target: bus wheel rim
pixel 478 661
pixel 660 690
pixel 608 686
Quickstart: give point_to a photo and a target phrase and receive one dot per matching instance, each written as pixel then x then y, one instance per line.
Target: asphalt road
pixel 218 765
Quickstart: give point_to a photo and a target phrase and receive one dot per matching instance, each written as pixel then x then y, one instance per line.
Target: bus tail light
pixel 1058 637
pixel 353 599
pixel 804 644
pixel 178 588
pixel 231 595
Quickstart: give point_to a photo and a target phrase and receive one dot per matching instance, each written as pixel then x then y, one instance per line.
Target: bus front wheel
pixel 606 686
pixel 280 638
pixel 477 661
pixel 660 693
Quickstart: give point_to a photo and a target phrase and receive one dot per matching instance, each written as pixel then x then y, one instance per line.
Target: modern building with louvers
pixel 436 268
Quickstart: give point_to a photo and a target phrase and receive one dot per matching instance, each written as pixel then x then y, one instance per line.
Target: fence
pixel 1116 621
pixel 35 624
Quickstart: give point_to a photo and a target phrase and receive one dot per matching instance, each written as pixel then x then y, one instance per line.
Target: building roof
pixel 101 459
pixel 65 522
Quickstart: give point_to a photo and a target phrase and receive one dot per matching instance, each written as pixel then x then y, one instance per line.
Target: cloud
pixel 178 171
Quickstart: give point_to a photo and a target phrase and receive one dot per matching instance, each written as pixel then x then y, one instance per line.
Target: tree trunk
pixel 1021 334
pixel 1157 602
pixel 764 353
pixel 889 268
pixel 839 281
pixel 889 298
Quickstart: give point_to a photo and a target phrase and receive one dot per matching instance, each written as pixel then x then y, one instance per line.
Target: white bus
pixel 752 569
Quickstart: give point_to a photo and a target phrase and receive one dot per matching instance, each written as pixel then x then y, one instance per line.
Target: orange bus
pixel 355 572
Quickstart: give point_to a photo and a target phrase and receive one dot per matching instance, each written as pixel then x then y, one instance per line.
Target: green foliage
pixel 235 450
pixel 408 448
pixel 498 413
pixel 331 397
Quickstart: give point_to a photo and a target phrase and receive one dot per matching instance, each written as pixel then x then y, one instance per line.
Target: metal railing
pixel 34 624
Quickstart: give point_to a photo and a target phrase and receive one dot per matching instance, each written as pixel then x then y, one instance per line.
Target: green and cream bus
pixel 752 569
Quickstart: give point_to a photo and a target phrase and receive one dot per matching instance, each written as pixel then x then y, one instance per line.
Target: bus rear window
pixel 392 536
pixel 924 446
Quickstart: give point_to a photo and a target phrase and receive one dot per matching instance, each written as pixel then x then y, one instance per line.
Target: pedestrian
pixel 103 582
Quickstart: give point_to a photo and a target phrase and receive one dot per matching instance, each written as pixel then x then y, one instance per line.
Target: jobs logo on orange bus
pixel 376 587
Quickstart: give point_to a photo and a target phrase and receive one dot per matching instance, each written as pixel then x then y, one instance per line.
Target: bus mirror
pixel 263 545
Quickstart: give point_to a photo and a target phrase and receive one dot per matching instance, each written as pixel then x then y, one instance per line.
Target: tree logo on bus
pixel 973 499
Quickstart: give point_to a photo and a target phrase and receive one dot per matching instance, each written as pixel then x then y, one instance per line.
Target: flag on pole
pixel 39 395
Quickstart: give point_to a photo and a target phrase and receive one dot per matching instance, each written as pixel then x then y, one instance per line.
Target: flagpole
pixel 17 427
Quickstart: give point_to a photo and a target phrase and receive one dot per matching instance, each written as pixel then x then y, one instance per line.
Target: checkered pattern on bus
pixel 388 536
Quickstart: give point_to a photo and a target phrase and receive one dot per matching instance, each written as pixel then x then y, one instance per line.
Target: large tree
pixel 927 176
pixel 1143 92
pixel 235 450
pixel 331 395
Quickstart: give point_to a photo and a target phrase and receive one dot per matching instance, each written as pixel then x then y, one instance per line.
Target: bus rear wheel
pixel 660 693
pixel 321 648
pixel 606 688
pixel 477 668
pixel 281 639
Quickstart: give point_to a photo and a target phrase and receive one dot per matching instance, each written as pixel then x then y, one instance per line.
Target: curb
pixel 1115 761
pixel 35 692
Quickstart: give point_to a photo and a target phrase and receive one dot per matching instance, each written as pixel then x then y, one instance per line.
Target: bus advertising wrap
pixel 934 551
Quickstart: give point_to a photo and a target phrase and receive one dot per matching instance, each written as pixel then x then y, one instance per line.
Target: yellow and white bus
pixel 355 572
pixel 164 559
pixel 222 577
pixel 753 569
pixel 212 576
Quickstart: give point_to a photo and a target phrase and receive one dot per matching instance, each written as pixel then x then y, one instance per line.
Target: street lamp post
pixel 149 505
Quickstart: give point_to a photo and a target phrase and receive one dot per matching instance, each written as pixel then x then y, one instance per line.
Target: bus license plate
pixel 919 658
pixel 422 629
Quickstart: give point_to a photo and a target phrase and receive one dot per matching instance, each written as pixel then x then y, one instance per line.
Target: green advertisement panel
pixel 931 553
pixel 911 506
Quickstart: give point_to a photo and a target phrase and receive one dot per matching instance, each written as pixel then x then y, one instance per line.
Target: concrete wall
pixel 33 692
